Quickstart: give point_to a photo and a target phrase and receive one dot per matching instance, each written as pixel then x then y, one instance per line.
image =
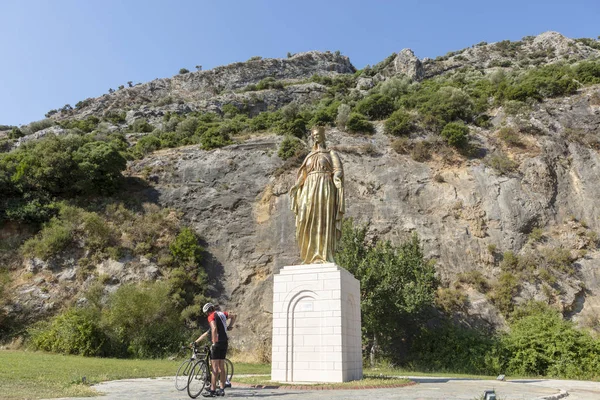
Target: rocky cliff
pixel 469 211
pixel 460 208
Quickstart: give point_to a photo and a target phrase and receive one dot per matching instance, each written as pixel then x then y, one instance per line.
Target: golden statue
pixel 318 202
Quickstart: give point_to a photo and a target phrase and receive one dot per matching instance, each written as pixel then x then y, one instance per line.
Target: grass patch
pixel 401 372
pixel 367 381
pixel 55 375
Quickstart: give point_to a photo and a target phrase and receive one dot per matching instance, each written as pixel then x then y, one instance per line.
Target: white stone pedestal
pixel 316 325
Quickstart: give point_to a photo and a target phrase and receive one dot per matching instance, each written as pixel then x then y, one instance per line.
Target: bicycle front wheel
pixel 197 379
pixel 181 379
pixel 229 369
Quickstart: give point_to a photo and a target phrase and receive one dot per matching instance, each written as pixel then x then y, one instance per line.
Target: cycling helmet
pixel 207 307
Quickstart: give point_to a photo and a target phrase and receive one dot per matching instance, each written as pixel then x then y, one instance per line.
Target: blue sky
pixel 54 52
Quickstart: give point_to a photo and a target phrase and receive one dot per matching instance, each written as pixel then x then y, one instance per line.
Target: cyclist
pixel 206 334
pixel 217 321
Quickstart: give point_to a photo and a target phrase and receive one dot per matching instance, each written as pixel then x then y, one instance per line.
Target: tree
pixel 183 71
pixel 397 288
pixel 376 106
pixel 456 134
pixel 357 123
pixel 100 166
pixel 399 123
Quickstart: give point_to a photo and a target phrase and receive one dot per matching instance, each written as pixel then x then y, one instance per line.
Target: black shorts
pixel 218 351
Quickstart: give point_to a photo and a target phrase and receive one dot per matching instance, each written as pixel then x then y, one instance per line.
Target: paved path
pixel 428 388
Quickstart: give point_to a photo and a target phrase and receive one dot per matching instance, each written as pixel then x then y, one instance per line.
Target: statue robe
pixel 319 206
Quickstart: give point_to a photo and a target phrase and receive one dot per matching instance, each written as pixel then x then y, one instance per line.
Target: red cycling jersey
pixel 220 319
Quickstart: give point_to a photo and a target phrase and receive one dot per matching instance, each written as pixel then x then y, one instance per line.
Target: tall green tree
pixel 397 288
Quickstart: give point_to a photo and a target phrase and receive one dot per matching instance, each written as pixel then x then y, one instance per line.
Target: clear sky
pixel 54 52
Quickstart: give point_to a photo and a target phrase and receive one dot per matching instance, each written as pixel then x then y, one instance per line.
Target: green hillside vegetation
pixel 398 297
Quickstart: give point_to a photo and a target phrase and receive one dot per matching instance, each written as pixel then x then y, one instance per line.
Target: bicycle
pixel 200 374
pixel 183 372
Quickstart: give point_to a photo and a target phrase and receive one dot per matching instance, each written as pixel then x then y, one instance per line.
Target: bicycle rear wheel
pixel 229 369
pixel 197 379
pixel 183 372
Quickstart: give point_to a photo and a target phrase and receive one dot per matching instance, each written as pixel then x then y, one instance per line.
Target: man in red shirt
pixel 218 351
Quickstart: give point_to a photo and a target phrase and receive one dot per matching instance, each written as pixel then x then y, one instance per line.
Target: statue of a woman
pixel 318 202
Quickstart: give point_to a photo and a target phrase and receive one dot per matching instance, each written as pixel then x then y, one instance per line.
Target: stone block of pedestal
pixel 316 325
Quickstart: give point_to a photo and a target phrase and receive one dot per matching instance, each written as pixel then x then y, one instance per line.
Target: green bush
pixel 358 123
pixel 99 165
pixel 183 71
pixel 188 126
pixel 450 300
pixel 295 127
pixel 456 134
pixel 289 146
pixel 547 81
pixel 235 125
pixel 447 104
pixel 474 278
pixel 326 113
pixel 115 117
pixel 146 145
pixel 541 343
pixel 396 87
pixel 38 126
pixel 98 234
pixel 136 320
pixel 85 125
pixel 343 113
pixel 421 151
pixel 265 83
pixel 588 72
pixel 503 292
pixel 144 320
pixel 15 133
pixel 31 209
pixel 400 123
pixel 140 125
pixel 376 106
pixel 263 121
pixel 185 249
pixel 54 237
pixel 501 163
pixel 213 138
pixel 510 136
pixel 72 332
pixel 455 349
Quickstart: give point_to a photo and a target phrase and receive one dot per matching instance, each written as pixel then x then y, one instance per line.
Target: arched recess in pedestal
pixel 300 306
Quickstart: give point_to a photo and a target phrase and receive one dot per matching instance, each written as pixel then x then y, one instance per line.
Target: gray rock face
pixel 254 102
pixel 234 198
pixel 405 63
pixel 201 86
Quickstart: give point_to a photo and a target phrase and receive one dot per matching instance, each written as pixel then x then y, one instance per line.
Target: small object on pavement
pixel 501 378
pixel 489 395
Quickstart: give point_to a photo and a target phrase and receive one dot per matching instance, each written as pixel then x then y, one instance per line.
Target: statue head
pixel 318 135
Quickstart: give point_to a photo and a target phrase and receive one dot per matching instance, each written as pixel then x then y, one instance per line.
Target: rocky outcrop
pixel 235 199
pixel 252 102
pixel 405 63
pixel 548 47
pixel 194 88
